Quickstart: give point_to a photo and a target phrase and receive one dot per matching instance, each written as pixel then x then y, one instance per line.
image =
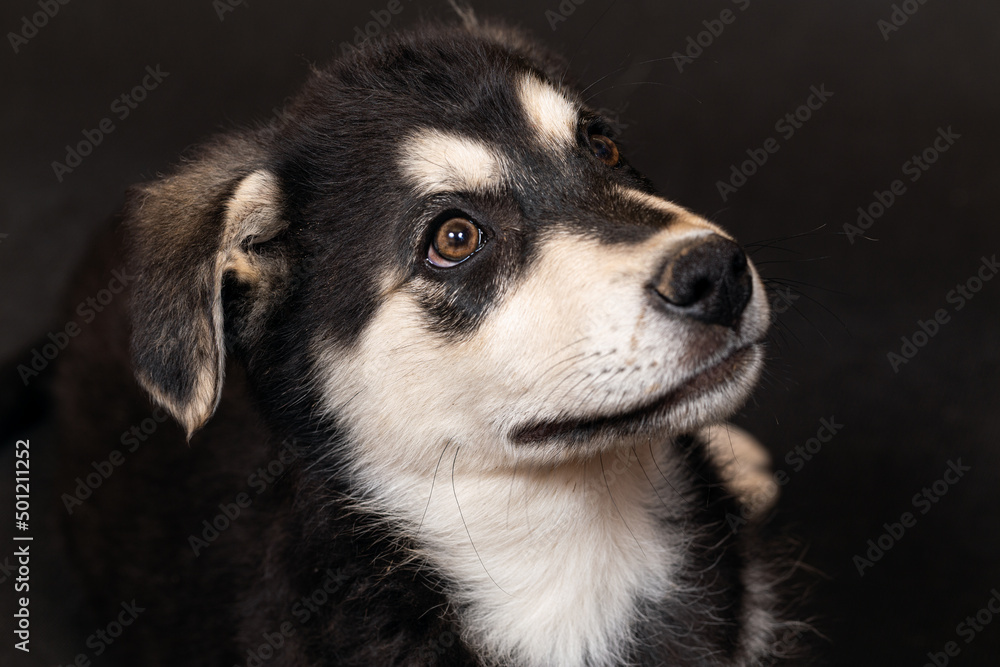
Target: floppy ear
pixel 185 233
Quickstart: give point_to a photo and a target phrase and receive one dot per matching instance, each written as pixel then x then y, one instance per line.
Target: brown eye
pixel 455 241
pixel 604 149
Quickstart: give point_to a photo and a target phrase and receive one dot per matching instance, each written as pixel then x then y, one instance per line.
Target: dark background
pixel 853 301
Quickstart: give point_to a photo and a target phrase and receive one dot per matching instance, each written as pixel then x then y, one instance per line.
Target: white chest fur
pixel 547 564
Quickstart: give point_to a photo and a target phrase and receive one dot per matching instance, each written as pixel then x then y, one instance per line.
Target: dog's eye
pixel 604 149
pixel 455 241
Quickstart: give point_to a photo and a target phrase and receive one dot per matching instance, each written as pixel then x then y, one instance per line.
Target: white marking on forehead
pixel 552 115
pixel 436 161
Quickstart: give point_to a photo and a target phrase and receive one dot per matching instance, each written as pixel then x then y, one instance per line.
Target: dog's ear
pixel 186 231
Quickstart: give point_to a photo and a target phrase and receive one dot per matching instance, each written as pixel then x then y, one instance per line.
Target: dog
pixel 422 372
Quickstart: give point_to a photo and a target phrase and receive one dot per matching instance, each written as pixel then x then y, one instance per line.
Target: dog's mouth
pixel 722 374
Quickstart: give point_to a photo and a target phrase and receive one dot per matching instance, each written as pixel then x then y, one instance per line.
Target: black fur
pixel 347 217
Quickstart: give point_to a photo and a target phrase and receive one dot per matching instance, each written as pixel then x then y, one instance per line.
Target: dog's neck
pixel 547 564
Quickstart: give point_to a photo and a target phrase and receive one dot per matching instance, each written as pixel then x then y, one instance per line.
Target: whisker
pixel 804 260
pixel 813 324
pixel 583 40
pixel 821 305
pixel 652 457
pixel 620 68
pixel 466 525
pixel 627 83
pixel 562 361
pixel 754 248
pixel 790 282
pixel 811 232
pixel 433 480
pixel 646 475
pixel 617 509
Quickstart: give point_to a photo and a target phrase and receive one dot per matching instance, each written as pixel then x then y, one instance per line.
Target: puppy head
pixel 438 241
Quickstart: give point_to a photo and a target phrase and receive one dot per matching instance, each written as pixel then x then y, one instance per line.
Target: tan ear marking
pixel 243 267
pixel 253 215
pixel 253 212
pixel 177 341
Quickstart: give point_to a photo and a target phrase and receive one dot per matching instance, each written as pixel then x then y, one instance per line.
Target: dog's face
pixel 439 248
pixel 441 242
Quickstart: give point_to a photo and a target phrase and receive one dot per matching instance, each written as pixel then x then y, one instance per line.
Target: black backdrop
pixel 894 79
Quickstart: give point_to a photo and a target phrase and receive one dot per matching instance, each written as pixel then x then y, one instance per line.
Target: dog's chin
pixel 707 396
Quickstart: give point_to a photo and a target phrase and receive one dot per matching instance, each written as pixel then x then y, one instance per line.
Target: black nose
pixel 707 280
